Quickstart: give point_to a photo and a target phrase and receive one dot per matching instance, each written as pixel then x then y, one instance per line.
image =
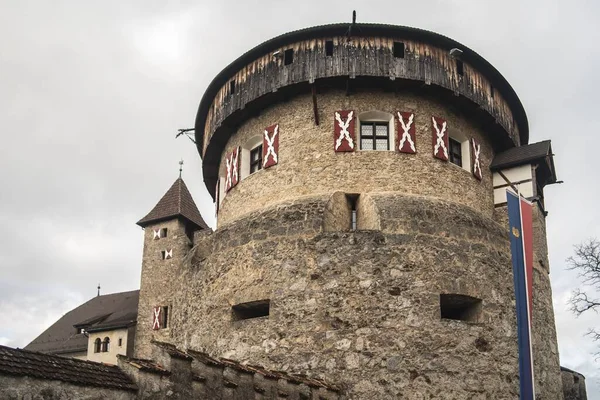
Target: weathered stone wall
pixel 362 309
pixel 26 388
pixel 573 385
pixel 308 164
pixel 157 282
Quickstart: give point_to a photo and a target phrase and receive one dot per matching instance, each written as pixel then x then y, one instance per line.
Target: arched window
pixel 97 345
pixel 105 345
pixel 376 131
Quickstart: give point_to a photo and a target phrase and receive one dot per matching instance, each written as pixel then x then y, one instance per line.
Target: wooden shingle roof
pixel 18 362
pixel 176 203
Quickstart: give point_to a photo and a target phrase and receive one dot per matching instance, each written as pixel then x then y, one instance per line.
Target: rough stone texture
pixel 27 388
pixel 156 287
pixel 309 166
pixel 573 384
pixel 362 309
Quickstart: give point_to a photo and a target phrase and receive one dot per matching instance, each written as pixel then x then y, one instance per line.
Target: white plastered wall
pixel 521 177
pixel 109 357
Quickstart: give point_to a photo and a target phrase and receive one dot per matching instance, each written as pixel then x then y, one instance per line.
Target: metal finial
pixel 98 289
pixel 353 17
pixel 180 167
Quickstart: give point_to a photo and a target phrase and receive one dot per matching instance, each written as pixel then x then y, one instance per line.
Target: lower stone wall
pixel 26 388
pixel 573 385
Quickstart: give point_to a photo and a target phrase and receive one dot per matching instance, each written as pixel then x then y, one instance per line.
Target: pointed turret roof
pixel 177 202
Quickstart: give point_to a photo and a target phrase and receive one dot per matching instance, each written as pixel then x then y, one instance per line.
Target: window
pixel 163 233
pixel 256 159
pixel 374 136
pixel 288 57
pixel 105 345
pixel 455 151
pixel 460 307
pixel 398 49
pixel 352 201
pixel 97 345
pixel 232 87
pixel 460 68
pixel 252 309
pixel 164 323
pixel 329 48
pixel 120 342
pixel 81 330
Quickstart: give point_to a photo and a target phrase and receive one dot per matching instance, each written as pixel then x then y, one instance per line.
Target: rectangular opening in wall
pixel 329 48
pixel 163 233
pixel 163 254
pixel 460 68
pixel 288 57
pixel 232 87
pixel 252 309
pixel 164 323
pixel 460 307
pixel 352 199
pixel 120 342
pixel 492 91
pixel 399 49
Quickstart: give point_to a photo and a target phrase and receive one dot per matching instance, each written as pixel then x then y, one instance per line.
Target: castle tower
pixel 168 237
pixel 358 174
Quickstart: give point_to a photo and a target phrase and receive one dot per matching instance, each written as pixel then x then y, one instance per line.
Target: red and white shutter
pixel 405 126
pixel 476 159
pixel 343 131
pixel 232 164
pixel 156 317
pixel 439 132
pixel 270 146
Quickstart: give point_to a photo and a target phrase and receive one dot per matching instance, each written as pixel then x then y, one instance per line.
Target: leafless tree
pixel 586 261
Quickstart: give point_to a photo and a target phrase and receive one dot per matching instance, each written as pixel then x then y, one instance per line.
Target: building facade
pixel 357 173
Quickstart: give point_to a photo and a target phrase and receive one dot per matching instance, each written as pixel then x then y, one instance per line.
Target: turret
pixel 169 230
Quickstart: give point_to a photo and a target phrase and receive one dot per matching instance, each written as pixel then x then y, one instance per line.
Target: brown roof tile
pixel 20 362
pixel 99 313
pixel 177 202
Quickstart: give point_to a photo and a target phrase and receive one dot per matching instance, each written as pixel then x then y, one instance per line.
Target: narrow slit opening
pixel 288 57
pixel 460 307
pixel 329 48
pixel 399 49
pixel 352 199
pixel 252 309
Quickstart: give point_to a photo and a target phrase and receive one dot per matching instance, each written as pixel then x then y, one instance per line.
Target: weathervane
pixel 180 167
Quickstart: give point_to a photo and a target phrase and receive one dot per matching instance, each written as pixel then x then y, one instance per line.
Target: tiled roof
pixel 20 362
pixel 100 313
pixel 521 155
pixel 144 365
pixel 177 202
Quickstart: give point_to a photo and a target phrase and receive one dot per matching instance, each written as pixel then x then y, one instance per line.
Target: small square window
pixel 288 57
pixel 329 48
pixel 455 151
pixel 256 159
pixel 252 309
pixel 460 307
pixel 374 136
pixel 398 49
pixel 163 233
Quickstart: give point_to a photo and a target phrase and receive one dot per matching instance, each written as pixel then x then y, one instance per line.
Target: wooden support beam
pixel 314 99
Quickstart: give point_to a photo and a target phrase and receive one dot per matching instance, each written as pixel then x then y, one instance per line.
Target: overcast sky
pixel 92 94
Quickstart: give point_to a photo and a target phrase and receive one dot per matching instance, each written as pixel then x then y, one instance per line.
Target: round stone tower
pixel 362 236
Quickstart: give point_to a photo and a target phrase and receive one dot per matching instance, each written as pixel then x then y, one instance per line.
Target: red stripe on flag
pixel 527 229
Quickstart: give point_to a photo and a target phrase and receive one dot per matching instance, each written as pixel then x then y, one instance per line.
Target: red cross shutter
pixel 343 131
pixel 439 133
pixel 156 317
pixel 270 146
pixel 476 159
pixel 405 126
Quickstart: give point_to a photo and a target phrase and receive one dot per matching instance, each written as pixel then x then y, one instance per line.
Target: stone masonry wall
pixel 26 388
pixel 362 309
pixel 156 287
pixel 308 164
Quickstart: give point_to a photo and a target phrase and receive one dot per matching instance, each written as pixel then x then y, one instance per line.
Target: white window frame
pixel 376 116
pixel 465 148
pixel 248 146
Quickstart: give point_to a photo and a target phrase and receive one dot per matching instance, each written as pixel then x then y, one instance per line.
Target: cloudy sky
pixel 92 94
